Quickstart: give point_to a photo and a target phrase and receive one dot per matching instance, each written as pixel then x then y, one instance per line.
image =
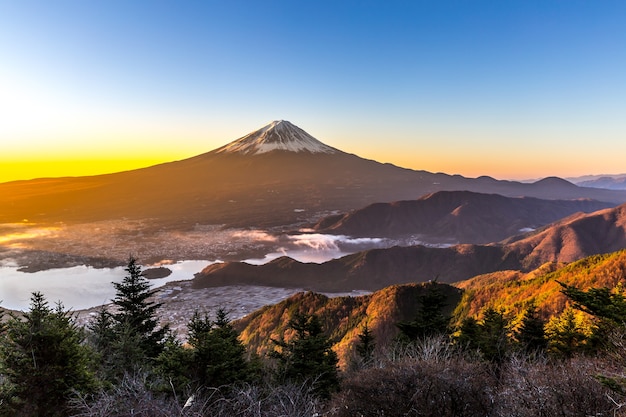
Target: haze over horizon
pixel 514 90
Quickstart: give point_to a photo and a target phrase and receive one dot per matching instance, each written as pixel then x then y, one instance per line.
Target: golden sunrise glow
pixel 91 100
pixel 19 239
pixel 470 163
pixel 24 170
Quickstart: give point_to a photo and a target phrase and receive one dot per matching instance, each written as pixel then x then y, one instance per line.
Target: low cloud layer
pixel 318 247
pixel 255 235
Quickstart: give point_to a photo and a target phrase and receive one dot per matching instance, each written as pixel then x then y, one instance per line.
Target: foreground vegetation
pixel 489 364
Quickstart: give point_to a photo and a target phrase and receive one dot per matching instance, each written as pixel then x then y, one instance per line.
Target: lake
pixel 82 287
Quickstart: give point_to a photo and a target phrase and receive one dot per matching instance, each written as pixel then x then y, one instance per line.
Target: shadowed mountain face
pixel 368 270
pixel 579 236
pixel 456 216
pixel 276 175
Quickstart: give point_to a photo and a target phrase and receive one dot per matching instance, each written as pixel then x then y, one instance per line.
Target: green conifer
pixel 136 314
pixel 565 334
pixel 219 356
pixel 531 334
pixel 308 356
pixel 430 319
pixel 43 361
pixel 365 347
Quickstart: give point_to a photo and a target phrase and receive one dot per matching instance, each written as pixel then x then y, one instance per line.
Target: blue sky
pixel 511 89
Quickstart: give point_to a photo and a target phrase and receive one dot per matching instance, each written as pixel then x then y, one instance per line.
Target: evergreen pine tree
pixel 608 306
pixel 565 335
pixel 531 332
pixel 102 338
pixel 365 347
pixel 490 336
pixel 174 365
pixel 43 361
pixel 136 315
pixel 494 332
pixel 218 355
pixel 128 338
pixel 101 328
pixel 308 356
pixel 469 334
pixel 430 319
pixel 199 330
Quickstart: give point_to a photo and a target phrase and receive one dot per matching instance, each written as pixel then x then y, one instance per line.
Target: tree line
pixel 125 363
pixel 496 335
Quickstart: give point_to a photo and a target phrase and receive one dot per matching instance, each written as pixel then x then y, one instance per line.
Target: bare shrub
pixel 452 387
pixel 287 400
pixel 432 378
pixel 290 400
pixel 434 348
pixel 132 397
pixel 554 389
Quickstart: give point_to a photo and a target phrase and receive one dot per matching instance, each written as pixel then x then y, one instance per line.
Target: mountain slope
pixel 513 291
pixel 456 216
pixel 573 238
pixel 266 178
pixel 603 231
pixel 342 317
pixel 369 270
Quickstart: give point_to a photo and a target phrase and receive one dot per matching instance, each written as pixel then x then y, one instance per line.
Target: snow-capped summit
pixel 280 135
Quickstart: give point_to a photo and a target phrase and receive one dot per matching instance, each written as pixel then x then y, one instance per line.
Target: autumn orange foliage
pixel 514 291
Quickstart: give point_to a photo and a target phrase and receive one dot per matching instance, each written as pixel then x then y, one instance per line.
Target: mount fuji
pixel 280 135
pixel 277 175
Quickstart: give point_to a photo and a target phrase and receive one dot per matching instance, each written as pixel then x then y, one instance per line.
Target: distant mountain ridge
pixel 277 175
pixel 455 216
pixel 368 270
pixel 571 239
pixel 606 181
pixel 610 183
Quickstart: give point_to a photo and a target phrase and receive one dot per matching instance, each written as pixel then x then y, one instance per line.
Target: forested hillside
pixel 345 317
pixel 544 343
pixel 513 291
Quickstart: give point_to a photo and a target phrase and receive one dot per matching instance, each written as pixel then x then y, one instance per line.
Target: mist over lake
pixel 83 286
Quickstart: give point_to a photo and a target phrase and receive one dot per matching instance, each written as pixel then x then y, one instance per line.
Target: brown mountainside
pixel 342 317
pixel 457 216
pixel 513 291
pixel 566 241
pixel 573 238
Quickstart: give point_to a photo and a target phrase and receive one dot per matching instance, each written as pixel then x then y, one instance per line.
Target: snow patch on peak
pixel 279 135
